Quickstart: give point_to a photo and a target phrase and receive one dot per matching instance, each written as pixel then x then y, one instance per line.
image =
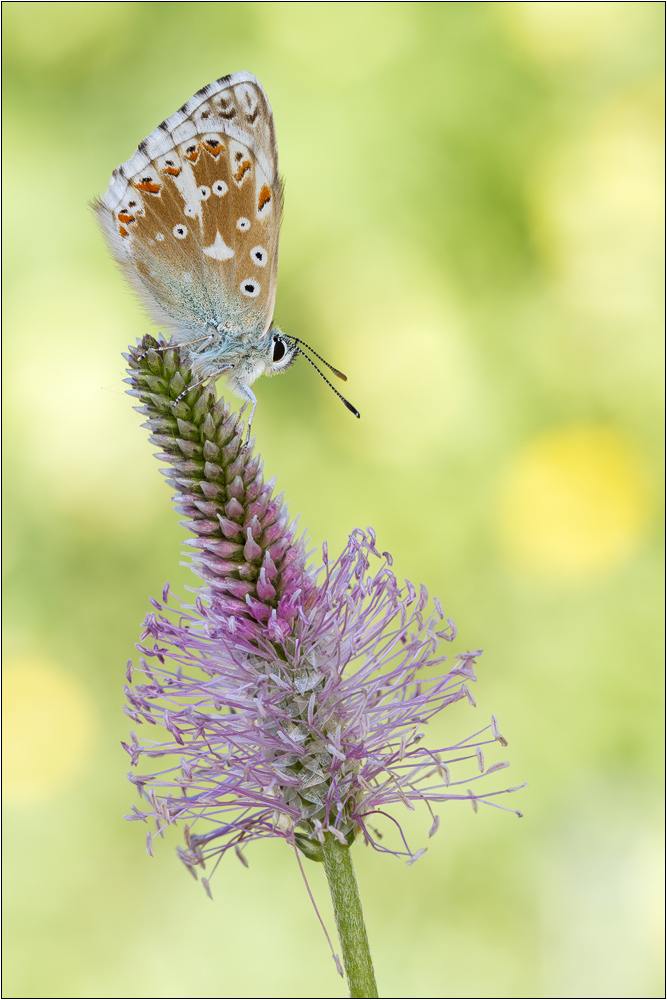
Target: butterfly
pixel 193 218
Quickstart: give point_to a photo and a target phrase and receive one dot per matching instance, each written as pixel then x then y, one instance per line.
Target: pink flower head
pixel 293 698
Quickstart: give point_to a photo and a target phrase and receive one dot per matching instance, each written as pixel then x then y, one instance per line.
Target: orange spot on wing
pixel 213 146
pixel 191 153
pixel 149 186
pixel 243 168
pixel 123 231
pixel 124 217
pixel 264 197
pixel 174 171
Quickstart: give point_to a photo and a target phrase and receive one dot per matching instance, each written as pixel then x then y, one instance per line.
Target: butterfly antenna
pixel 334 370
pixel 333 389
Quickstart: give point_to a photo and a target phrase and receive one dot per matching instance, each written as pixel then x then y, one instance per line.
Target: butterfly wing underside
pixel 193 217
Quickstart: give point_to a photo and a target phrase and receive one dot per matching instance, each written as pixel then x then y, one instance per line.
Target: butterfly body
pixel 193 219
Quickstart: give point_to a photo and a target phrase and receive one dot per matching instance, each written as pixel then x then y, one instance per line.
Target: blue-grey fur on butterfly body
pixel 193 220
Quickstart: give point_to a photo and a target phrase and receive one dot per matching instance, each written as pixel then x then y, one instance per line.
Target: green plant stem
pixel 349 918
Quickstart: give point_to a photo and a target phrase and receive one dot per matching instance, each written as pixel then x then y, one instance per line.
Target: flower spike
pixel 292 699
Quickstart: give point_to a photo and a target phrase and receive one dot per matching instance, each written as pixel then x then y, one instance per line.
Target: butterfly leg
pixel 194 385
pixel 162 347
pixel 174 344
pixel 250 397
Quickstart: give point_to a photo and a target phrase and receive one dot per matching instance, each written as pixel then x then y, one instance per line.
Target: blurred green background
pixel 471 232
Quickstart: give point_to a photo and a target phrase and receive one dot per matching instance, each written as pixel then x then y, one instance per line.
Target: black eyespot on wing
pixel 278 350
pixel 250 288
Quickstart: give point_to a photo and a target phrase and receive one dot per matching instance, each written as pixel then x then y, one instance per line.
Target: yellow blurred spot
pixel 598 210
pixel 574 501
pixel 90 452
pixel 564 31
pixel 47 724
pixel 412 373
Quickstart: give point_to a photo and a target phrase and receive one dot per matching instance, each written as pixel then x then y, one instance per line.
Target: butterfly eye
pixel 278 350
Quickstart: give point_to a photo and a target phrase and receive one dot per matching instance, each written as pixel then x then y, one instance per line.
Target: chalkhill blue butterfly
pixel 193 219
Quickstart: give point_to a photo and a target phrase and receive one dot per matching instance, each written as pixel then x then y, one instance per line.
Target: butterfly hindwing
pixel 193 217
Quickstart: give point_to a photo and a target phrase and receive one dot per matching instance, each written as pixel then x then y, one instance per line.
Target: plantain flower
pixel 294 697
pixel 290 697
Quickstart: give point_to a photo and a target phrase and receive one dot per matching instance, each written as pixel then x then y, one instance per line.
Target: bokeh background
pixel 472 232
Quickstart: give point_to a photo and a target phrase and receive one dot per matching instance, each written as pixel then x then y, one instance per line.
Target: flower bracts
pixel 245 548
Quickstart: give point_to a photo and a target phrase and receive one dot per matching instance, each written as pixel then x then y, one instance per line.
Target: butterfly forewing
pixel 193 217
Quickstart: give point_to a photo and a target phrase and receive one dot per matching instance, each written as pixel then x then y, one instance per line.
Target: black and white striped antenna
pixel 297 340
